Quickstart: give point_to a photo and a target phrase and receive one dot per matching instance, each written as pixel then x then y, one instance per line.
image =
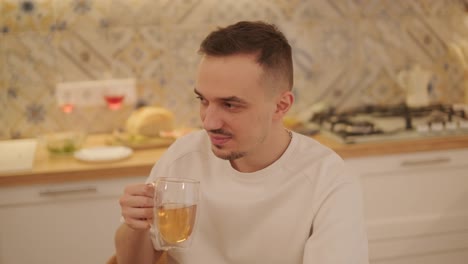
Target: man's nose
pixel 211 118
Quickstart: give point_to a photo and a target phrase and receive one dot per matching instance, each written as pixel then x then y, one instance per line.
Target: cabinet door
pixel 69 223
pixel 416 206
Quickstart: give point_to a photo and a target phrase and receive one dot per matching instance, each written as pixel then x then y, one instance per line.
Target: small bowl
pixel 63 143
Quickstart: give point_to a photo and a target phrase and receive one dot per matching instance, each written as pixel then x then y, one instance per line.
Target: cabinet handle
pixel 86 189
pixel 440 160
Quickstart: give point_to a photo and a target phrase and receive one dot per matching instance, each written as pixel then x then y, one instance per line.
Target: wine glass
pixel 114 97
pixel 65 102
pixel 175 211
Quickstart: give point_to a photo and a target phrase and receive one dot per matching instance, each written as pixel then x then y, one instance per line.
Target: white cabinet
pixel 70 223
pixel 416 206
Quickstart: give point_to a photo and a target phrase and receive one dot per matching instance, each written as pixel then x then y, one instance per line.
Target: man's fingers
pixel 136 201
pixel 137 223
pixel 137 213
pixel 140 190
pixel 137 205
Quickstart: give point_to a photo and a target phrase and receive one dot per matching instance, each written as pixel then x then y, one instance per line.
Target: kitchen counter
pixel 50 169
pixel 395 146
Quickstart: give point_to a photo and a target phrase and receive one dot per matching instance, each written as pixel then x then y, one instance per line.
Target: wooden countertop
pixel 347 151
pixel 48 169
pixel 53 169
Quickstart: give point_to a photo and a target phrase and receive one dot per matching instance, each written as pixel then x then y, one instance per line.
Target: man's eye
pixel 229 106
pixel 202 100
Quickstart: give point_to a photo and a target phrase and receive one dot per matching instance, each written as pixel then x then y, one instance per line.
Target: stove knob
pixel 424 128
pixel 451 126
pixel 437 126
pixel 464 124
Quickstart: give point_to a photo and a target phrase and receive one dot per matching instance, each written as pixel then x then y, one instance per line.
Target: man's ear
pixel 283 104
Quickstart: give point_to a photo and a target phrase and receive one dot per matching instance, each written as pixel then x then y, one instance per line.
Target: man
pixel 268 195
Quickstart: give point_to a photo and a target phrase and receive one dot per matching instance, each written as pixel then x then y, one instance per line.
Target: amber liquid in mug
pixel 175 221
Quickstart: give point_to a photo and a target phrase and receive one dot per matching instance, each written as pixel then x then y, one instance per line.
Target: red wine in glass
pixel 114 102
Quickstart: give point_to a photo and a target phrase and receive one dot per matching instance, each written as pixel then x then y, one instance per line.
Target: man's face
pixel 235 107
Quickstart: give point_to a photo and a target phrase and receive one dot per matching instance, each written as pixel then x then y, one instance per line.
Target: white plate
pixel 103 154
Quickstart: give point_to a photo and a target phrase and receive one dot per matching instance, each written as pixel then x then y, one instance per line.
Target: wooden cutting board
pixel 146 143
pixel 17 155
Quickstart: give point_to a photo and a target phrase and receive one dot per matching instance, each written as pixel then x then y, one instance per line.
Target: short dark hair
pixel 271 46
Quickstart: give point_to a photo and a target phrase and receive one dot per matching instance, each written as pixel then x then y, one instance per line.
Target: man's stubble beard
pixel 235 154
pixel 229 156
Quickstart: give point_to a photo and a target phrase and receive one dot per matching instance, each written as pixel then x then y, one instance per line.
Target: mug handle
pixel 153 231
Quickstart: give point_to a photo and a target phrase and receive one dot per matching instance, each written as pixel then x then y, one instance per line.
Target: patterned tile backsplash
pixel 346 52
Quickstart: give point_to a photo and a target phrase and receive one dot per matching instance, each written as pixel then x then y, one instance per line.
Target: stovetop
pixel 395 122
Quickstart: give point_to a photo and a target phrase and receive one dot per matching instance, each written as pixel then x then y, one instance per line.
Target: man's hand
pixel 137 206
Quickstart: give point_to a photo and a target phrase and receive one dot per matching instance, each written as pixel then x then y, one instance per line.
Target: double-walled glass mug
pixel 175 211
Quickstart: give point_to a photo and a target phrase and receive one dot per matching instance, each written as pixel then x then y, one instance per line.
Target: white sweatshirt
pixel 303 208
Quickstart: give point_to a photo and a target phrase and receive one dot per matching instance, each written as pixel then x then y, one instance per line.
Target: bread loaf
pixel 150 121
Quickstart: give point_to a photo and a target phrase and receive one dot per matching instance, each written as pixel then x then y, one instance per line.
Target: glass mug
pixel 175 211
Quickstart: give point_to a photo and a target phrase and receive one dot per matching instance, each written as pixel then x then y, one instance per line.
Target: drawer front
pixel 412 161
pixel 415 205
pixel 45 193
